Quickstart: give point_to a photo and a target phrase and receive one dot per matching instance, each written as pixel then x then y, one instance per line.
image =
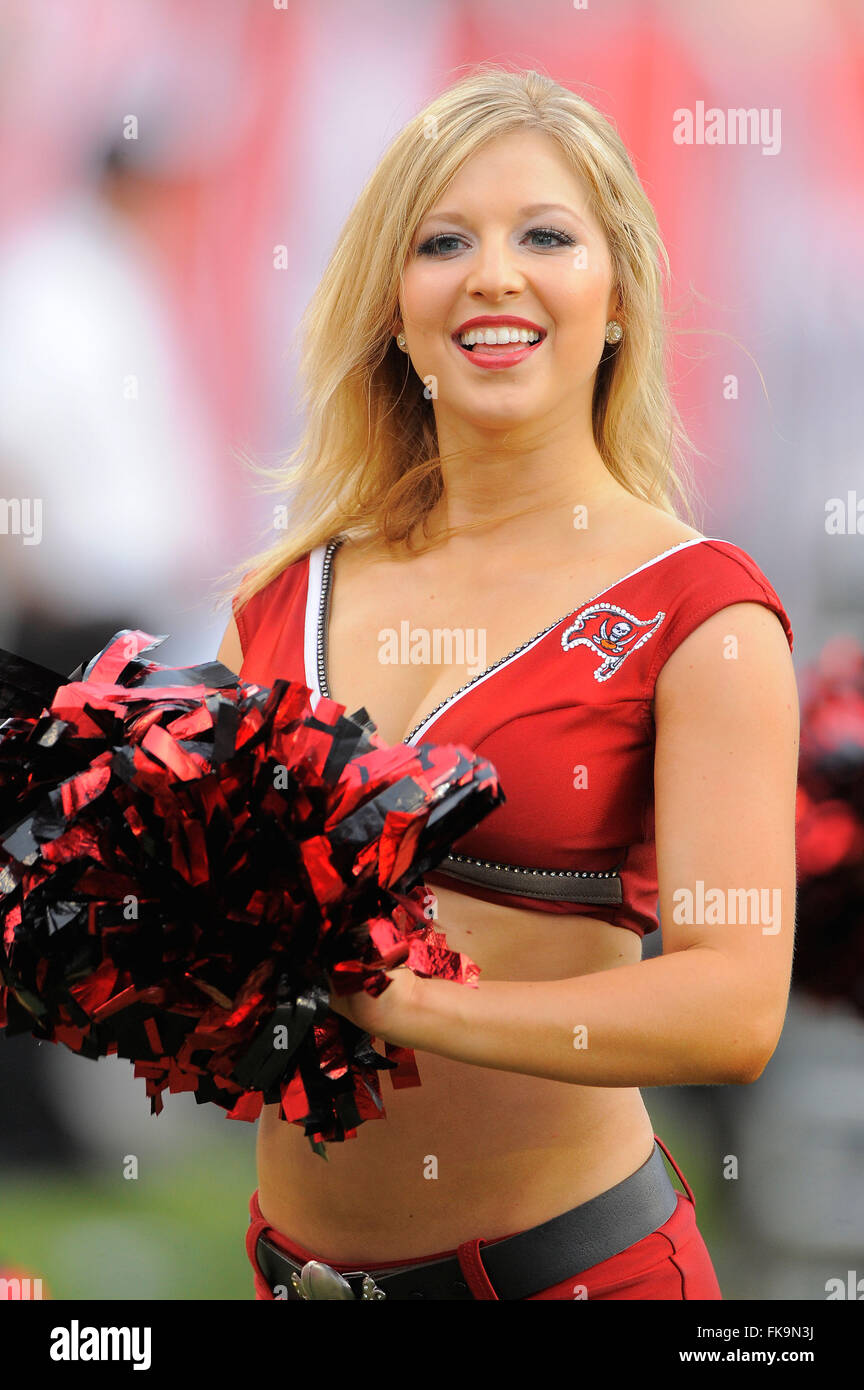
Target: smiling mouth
pixel 497 356
pixel 493 349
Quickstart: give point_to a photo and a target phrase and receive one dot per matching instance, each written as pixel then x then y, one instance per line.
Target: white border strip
pixel 475 684
pixel 314 582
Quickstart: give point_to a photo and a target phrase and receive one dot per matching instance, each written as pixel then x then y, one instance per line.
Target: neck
pixel 513 481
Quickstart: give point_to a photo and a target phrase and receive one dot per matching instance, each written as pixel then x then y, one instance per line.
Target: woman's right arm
pixel 231 652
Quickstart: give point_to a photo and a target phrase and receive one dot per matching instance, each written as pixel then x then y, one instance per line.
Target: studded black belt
pixel 519 1266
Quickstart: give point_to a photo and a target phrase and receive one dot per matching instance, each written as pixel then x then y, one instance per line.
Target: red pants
pixel 670 1263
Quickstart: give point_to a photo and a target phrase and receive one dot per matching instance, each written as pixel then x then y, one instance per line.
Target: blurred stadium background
pixel 152 157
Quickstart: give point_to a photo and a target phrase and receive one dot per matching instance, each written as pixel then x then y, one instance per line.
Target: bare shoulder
pixel 638 531
pixel 734 667
pixel 653 525
pixel 230 651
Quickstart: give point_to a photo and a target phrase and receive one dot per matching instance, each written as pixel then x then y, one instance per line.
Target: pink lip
pixel 496 321
pixel 501 359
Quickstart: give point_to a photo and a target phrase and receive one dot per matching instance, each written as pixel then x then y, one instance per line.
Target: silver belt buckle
pixel 317 1280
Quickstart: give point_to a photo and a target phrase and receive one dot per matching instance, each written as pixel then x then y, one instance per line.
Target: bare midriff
pixel 472 1151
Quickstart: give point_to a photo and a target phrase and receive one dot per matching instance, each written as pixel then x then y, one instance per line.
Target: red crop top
pixel 566 719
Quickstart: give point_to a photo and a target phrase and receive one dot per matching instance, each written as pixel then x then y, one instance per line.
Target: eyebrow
pixel 532 211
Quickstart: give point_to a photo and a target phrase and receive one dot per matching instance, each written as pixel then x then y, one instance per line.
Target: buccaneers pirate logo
pixel 611 632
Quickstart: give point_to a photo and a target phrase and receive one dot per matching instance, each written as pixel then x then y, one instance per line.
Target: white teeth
pixel 499 335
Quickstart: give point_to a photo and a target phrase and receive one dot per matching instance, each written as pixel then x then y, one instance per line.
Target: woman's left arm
pixel 710 1009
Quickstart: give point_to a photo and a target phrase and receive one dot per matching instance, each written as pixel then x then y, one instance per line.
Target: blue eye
pixel 433 246
pixel 563 238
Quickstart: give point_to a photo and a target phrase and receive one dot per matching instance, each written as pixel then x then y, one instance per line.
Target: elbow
pixel 751 1062
pixel 748 1028
pixel 746 1075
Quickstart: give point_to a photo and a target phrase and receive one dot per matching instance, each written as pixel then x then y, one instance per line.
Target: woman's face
pixel 511 237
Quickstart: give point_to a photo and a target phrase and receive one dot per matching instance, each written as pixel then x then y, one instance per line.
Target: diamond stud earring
pixel 402 341
pixel 614 331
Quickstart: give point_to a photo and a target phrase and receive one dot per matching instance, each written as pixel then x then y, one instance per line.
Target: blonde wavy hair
pixel 367 462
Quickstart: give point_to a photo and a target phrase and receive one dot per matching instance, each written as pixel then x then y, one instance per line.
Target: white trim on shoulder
pixel 422 729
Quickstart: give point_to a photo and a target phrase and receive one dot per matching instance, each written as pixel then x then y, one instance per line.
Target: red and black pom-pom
pixel 187 862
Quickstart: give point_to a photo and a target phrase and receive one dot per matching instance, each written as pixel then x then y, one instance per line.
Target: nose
pixel 493 271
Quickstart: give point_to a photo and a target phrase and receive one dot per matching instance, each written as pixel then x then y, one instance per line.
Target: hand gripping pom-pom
pixel 184 859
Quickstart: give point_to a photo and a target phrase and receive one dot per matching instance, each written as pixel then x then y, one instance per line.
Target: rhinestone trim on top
pixel 323 615
pixel 323 618
pixel 487 865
